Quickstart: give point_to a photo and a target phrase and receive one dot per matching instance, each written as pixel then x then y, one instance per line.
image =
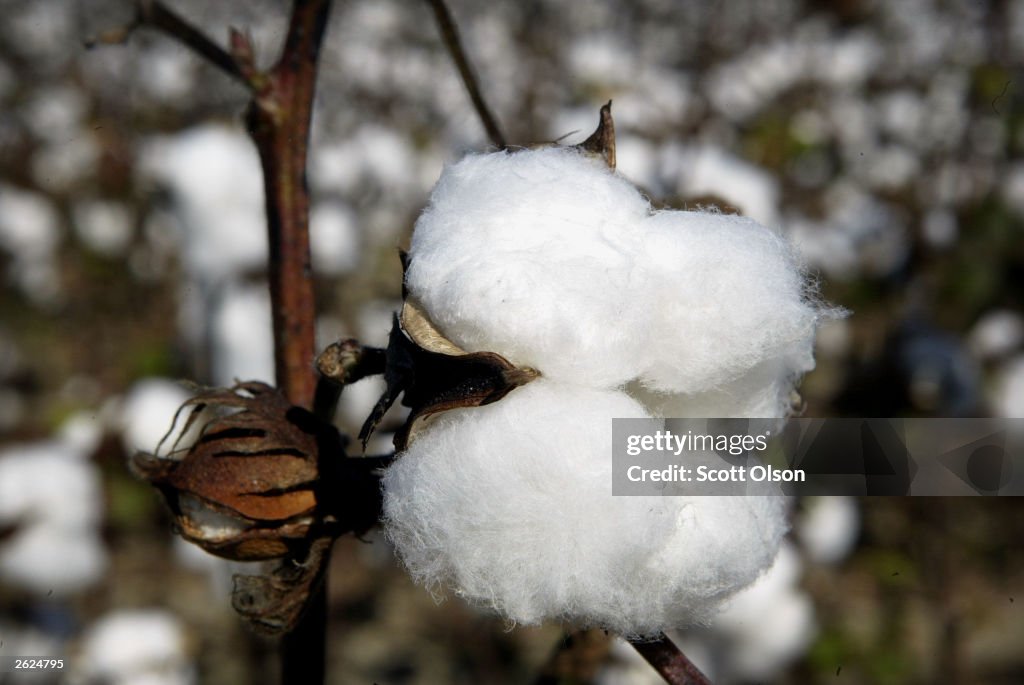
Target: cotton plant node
pixel 263 481
pixel 561 269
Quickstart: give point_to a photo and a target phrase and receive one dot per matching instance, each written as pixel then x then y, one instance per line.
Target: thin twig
pixel 670 663
pixel 154 14
pixel 450 36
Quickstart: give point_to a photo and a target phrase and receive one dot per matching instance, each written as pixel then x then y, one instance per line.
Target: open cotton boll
pixel 761 392
pixel 510 505
pixel 531 254
pixel 136 646
pixel 730 295
pixel 761 630
pixel 52 559
pixel 829 527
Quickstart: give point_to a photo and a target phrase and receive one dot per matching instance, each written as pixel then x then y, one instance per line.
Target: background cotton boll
pixel 53 559
pixel 213 174
pixel 766 626
pixel 729 295
pixel 148 413
pixel 136 646
pixel 510 505
pixel 828 528
pixel 52 498
pixel 1008 395
pixel 529 254
pixel 49 482
pixel 242 335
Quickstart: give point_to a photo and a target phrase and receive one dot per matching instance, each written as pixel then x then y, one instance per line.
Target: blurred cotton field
pixel 885 139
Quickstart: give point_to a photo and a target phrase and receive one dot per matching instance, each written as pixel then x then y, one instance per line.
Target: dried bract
pixel 248 489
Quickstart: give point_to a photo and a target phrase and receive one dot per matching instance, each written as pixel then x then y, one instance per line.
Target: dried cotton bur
pixel 549 261
pixel 263 480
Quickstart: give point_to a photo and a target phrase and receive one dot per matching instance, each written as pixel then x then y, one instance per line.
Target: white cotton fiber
pixel 552 260
pixel 531 254
pixel 136 646
pixel 729 295
pixel 761 392
pixel 829 528
pixel 555 262
pixel 510 504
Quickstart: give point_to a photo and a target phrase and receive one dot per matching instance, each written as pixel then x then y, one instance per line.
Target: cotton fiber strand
pixel 729 296
pixel 511 505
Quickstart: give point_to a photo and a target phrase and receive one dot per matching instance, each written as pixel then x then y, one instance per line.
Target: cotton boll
pixel 214 173
pixel 48 482
pixel 53 559
pixel 1008 396
pixel 768 625
pixel 136 646
pixel 479 503
pixel 996 334
pixel 530 254
pixel 730 298
pixel 242 335
pixel 149 411
pixel 828 528
pixel 762 392
pixel 52 498
pixel 334 239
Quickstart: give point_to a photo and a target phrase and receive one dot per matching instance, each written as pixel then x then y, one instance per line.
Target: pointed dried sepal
pixel 436 375
pixel 602 141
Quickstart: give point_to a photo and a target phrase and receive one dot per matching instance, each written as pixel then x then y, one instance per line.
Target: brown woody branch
pixel 670 663
pixel 278 120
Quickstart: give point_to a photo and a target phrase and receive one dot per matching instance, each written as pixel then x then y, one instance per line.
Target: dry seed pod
pixel 249 487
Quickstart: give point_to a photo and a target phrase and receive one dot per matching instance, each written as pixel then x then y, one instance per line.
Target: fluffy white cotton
pixel 531 254
pixel 996 334
pixel 510 504
pixel 764 391
pixel 53 559
pixel 554 261
pixel 766 626
pixel 1008 394
pixel 242 335
pixel 144 645
pixel 148 412
pixel 828 528
pixel 213 172
pixel 730 296
pixel 52 496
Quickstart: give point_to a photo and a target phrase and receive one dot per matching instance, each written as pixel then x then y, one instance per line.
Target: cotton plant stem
pixel 278 119
pixel 452 41
pixel 670 663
